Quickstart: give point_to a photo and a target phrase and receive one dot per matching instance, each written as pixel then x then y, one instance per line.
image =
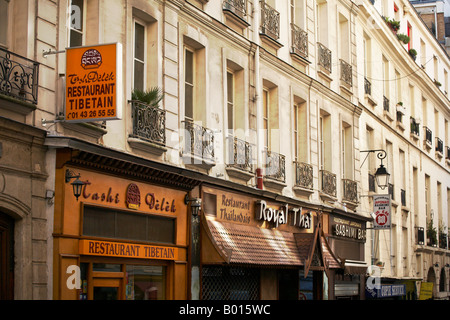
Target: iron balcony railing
pixel 149 123
pixel 240 154
pixel 439 145
pixel 199 141
pixel 428 135
pixel 328 180
pixel 275 166
pixel 350 190
pixel 414 126
pixel 303 175
pixel 448 154
pixel 238 7
pixel 385 104
pixel 346 72
pixel 270 20
pixel 299 41
pixel 367 87
pixel 443 240
pixel 18 76
pixel 324 56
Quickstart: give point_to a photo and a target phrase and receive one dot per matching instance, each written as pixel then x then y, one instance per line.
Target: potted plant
pixel 437 83
pixel 403 38
pixel 151 97
pixel 431 233
pixel 393 24
pixel 413 53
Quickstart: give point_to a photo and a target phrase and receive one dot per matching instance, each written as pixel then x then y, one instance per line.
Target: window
pixel 76 23
pixel 189 84
pixel 230 100
pixel 344 42
pixel 4 4
pixel 266 118
pixel 346 158
pixel 300 130
pixel 139 56
pixel 385 70
pixel 322 22
pixel 325 141
pixel 107 223
pixel 297 12
pixel 410 35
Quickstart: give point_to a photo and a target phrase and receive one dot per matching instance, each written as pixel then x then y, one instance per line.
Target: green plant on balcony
pixel 151 97
pixel 431 233
pixel 393 24
pixel 437 83
pixel 403 38
pixel 412 53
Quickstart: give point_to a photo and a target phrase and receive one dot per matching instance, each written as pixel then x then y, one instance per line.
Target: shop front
pixel 257 248
pixel 123 238
pixel 347 236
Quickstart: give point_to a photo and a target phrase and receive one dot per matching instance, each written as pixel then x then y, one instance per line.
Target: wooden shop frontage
pixel 126 236
pixel 253 247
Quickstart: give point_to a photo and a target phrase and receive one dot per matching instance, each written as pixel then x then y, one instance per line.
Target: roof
pixel 243 244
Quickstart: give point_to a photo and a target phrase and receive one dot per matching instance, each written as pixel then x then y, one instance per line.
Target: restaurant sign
pixel 386 291
pixel 126 250
pixel 93 83
pixel 282 215
pixel 348 228
pixel 382 211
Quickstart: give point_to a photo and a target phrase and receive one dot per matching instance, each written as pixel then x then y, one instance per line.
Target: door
pixel 6 257
pixel 107 289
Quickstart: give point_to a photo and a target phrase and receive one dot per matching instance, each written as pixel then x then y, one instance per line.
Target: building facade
pixel 264 103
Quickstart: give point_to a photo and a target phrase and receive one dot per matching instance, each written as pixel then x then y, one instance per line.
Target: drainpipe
pixel 258 101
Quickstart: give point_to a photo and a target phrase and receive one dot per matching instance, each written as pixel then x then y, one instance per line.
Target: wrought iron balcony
pixel 270 20
pixel 346 73
pixel 439 145
pixel 275 166
pixel 367 87
pixel 299 41
pixel 149 123
pixel 240 155
pixel 238 7
pixel 328 183
pixel 350 190
pixel 18 76
pixel 199 141
pixel 428 135
pixel 303 175
pixel 414 126
pixel 324 57
pixel 385 104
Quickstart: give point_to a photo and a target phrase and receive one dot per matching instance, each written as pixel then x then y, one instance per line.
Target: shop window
pixel 107 223
pixel 226 283
pixel 145 282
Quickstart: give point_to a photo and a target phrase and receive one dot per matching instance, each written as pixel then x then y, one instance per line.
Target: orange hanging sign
pixel 94 83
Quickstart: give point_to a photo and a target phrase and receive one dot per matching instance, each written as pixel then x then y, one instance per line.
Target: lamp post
pixel 195 246
pixel 381 175
pixel 77 185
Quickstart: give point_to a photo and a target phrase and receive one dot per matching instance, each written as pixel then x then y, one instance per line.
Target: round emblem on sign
pixel 133 197
pixel 91 59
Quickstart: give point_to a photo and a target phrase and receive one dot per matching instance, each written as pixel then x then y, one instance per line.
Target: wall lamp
pixel 196 203
pixel 77 185
pixel 381 175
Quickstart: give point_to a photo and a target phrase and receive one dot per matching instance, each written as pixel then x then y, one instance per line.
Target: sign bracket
pixel 46 53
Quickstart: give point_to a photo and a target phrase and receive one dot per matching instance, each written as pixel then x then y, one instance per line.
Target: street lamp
pixel 196 203
pixel 381 175
pixel 77 185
